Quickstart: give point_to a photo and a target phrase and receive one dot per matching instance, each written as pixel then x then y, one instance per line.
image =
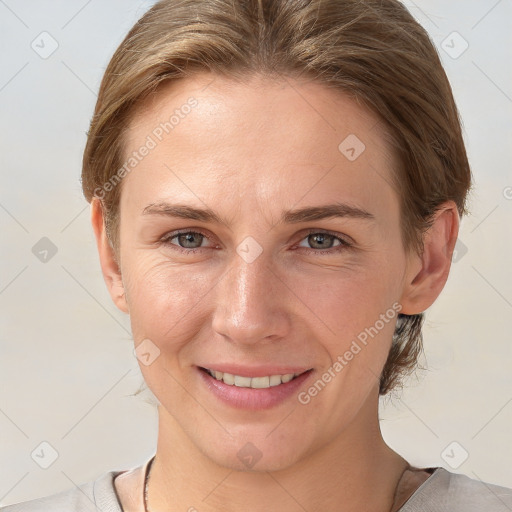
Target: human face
pixel 260 290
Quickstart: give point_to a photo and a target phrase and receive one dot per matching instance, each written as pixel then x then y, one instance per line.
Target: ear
pixel 426 274
pixel 108 260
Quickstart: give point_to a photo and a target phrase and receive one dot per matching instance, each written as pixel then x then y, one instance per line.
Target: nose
pixel 251 303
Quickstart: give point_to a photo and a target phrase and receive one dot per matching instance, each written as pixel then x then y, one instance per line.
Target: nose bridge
pixel 247 305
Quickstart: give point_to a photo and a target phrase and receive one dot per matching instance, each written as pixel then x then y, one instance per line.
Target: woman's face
pixel 260 237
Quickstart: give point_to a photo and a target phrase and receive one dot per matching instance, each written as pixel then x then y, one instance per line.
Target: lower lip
pixel 253 399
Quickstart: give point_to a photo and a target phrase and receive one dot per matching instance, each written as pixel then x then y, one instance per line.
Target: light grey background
pixel 67 364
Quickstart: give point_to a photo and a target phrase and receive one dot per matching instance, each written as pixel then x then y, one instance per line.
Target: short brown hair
pixel 373 50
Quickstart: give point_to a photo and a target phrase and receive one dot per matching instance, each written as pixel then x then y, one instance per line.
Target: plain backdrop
pixel 67 366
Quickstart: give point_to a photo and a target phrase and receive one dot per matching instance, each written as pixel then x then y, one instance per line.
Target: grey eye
pixel 321 240
pixel 189 240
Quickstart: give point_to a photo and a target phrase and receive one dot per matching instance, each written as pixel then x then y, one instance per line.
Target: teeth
pixel 254 382
pixel 242 382
pixel 275 380
pixel 228 378
pixel 261 382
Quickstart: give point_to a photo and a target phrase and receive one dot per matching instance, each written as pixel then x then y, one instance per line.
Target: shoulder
pixel 451 492
pixel 89 497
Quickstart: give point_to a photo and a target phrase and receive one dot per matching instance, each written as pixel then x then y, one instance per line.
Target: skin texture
pixel 249 152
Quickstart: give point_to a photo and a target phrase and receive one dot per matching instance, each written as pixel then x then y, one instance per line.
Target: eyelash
pixel 344 244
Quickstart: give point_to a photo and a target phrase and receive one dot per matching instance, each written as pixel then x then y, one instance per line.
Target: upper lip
pixel 254 371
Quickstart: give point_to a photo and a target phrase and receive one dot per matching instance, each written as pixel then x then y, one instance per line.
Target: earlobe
pixel 109 265
pixel 427 274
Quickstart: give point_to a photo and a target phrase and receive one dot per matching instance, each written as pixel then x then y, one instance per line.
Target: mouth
pixel 257 389
pixel 263 382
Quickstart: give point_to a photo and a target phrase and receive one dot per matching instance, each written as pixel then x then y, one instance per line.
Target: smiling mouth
pixel 252 382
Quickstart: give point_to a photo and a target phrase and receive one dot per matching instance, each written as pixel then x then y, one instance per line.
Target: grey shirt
pixel 443 491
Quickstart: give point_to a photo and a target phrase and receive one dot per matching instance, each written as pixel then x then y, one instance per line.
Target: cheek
pixel 358 300
pixel 362 311
pixel 163 298
pixel 170 303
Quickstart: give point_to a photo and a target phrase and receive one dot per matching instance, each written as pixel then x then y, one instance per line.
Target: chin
pixel 250 458
pixel 254 450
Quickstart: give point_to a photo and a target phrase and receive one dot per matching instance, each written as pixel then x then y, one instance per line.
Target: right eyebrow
pixel 182 211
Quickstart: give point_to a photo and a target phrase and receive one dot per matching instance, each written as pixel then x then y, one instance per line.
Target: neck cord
pixel 395 495
pixel 146 480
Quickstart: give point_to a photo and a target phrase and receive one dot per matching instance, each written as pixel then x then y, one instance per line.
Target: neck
pixel 354 471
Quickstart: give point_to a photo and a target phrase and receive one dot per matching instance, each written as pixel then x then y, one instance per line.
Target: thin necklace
pixel 148 471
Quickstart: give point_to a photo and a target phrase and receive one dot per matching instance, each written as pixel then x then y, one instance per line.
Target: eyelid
pixel 346 242
pixel 173 234
pixel 344 239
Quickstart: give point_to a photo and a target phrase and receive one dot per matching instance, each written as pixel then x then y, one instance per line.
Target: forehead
pixel 271 139
pixel 256 106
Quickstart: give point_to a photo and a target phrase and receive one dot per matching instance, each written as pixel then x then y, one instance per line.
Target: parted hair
pixel 372 50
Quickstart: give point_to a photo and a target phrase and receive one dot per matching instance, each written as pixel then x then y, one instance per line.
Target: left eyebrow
pixel 289 216
pixel 326 212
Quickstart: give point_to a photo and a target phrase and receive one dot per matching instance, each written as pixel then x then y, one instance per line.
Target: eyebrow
pixel 306 214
